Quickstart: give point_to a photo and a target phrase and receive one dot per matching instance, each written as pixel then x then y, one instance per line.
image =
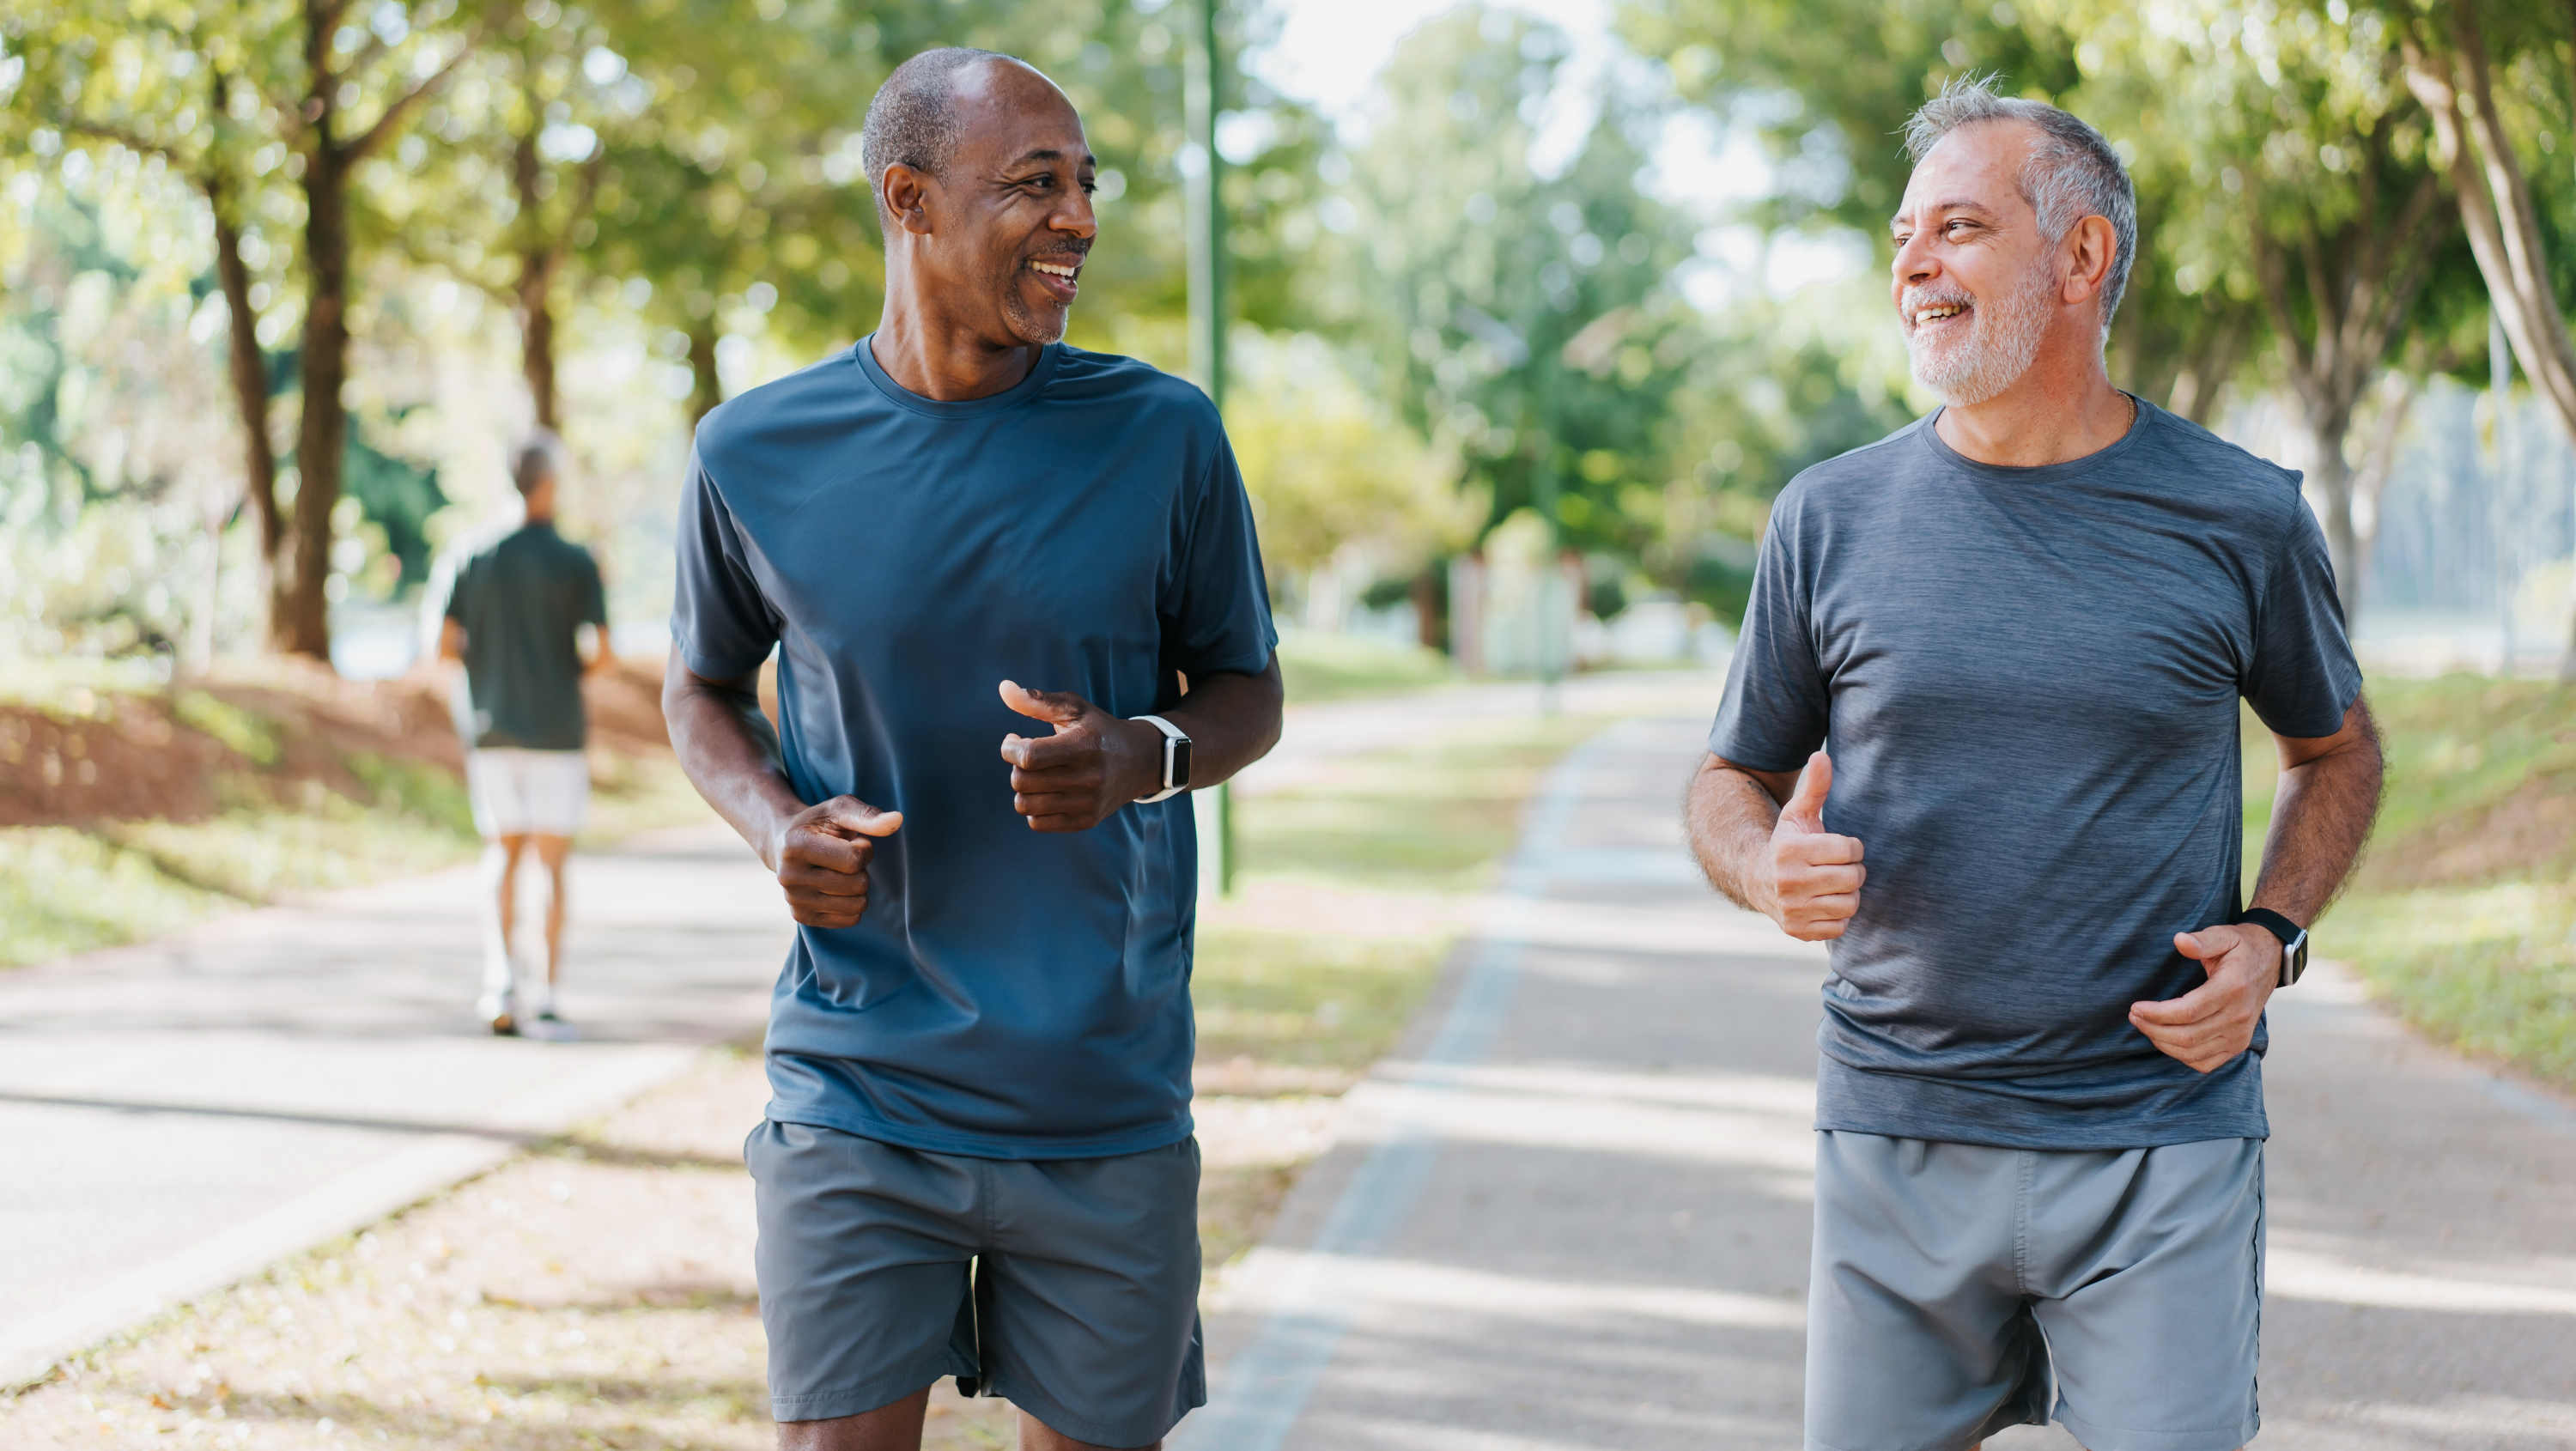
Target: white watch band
pixel 1171 733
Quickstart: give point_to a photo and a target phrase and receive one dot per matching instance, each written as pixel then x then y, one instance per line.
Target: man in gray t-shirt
pixel 2021 628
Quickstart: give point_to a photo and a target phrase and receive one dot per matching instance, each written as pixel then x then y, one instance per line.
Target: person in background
pixel 516 617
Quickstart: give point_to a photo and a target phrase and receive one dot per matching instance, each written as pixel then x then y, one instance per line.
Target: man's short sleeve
pixel 1216 610
pixel 2303 676
pixel 720 620
pixel 1776 709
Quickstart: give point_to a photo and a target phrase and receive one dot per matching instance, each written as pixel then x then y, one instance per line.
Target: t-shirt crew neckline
pixel 2037 473
pixel 864 351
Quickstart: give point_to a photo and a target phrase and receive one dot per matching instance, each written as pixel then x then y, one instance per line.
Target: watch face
pixel 1177 765
pixel 2294 958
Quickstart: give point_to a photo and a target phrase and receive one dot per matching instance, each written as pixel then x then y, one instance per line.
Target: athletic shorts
pixel 517 793
pixel 1067 1286
pixel 1961 1289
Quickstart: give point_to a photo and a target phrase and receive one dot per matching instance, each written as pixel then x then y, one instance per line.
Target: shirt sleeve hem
pixel 1753 761
pixel 714 667
pixel 2349 694
pixel 1245 663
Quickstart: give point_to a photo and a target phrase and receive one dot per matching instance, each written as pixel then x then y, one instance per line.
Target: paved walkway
pixel 183 1113
pixel 1574 1211
pixel 1571 1213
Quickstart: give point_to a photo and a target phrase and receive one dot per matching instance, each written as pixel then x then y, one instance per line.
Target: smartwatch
pixel 1176 758
pixel 2294 939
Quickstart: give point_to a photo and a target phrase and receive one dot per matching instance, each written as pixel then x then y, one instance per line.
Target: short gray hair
pixel 536 458
pixel 2072 172
pixel 913 117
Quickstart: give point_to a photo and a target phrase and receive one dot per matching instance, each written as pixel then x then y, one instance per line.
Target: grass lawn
pixel 1351 888
pixel 2463 914
pixel 1339 667
pixel 130 807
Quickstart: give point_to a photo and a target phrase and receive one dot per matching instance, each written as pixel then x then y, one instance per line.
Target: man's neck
pixel 939 357
pixel 2048 416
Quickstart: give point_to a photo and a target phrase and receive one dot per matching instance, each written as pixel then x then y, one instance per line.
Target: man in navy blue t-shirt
pixel 1018 607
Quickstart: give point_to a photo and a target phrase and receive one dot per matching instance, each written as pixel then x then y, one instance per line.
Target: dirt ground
pixel 277 727
pixel 499 1315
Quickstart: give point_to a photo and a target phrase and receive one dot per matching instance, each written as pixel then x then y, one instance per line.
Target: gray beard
pixel 2001 344
pixel 1025 322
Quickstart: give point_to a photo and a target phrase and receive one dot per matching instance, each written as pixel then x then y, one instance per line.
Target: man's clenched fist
pixel 2207 1027
pixel 1092 765
pixel 1815 874
pixel 821 856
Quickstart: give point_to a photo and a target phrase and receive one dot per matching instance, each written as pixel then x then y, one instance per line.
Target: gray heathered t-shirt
pixel 2028 678
pixel 523 602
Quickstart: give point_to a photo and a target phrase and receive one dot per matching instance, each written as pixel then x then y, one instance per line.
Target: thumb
pixel 2196 948
pixel 851 814
pixel 1805 809
pixel 1058 707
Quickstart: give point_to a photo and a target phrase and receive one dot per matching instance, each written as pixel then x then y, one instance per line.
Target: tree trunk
pixel 2196 388
pixel 537 337
pixel 706 389
pixel 2496 207
pixel 322 440
pixel 2332 478
pixel 250 391
pixel 537 267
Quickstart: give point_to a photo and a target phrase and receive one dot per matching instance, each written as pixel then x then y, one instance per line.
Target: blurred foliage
pixel 1330 467
pixel 1522 319
pixel 1470 298
pixel 2462 914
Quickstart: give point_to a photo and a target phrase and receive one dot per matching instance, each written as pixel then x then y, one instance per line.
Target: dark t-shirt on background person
pixel 2028 679
pixel 1009 994
pixel 523 602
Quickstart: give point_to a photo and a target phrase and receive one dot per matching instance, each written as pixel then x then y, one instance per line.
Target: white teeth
pixel 1052 270
pixel 1947 309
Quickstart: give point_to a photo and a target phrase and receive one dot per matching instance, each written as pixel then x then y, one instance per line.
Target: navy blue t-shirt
pixel 2029 681
pixel 1009 994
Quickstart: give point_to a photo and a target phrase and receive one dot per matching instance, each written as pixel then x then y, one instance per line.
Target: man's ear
pixel 2086 254
pixel 906 195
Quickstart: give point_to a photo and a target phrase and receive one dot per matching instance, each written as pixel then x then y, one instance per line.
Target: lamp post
pixel 1202 190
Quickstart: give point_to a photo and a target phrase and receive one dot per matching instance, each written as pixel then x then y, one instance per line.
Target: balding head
pixel 913 120
pixel 983 182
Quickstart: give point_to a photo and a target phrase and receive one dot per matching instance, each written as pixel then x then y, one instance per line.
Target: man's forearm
pixel 1731 816
pixel 2321 816
pixel 1232 720
pixel 731 754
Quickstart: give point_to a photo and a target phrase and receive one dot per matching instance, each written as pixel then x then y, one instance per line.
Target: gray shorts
pixel 1068 1286
pixel 1960 1289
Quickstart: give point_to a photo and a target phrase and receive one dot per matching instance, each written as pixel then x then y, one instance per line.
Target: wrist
pixel 777 822
pixel 1166 757
pixel 2287 940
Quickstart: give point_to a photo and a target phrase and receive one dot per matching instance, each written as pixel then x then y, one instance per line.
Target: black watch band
pixel 2294 939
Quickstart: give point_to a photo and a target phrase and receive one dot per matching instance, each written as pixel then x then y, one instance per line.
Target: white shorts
pixel 516 792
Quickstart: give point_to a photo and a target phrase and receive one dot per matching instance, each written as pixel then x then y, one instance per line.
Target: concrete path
pixel 180 1114
pixel 1574 1210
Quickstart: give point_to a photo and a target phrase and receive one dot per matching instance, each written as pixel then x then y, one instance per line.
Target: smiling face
pixel 1976 285
pixel 1012 220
